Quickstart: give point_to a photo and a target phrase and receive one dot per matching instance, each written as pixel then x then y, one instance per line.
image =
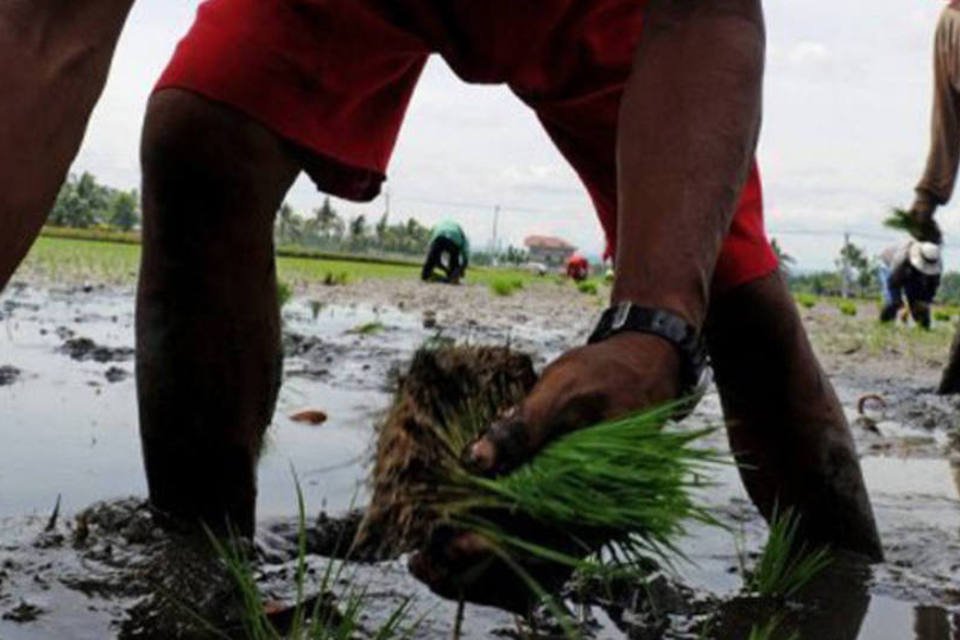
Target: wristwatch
pixel 626 316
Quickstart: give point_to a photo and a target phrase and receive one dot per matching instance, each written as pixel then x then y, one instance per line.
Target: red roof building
pixel 549 250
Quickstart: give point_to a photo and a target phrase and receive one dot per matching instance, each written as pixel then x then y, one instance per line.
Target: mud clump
pixel 23 612
pixel 444 389
pixel 84 349
pixel 116 374
pixel 8 375
pixel 328 536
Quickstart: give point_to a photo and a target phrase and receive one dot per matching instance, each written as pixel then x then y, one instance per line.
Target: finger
pixel 503 446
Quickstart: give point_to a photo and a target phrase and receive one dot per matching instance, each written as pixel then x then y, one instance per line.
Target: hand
pixel 924 227
pixel 623 374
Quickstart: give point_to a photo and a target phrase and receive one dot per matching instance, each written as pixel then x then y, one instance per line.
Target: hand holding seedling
pixel 586 386
pixel 918 221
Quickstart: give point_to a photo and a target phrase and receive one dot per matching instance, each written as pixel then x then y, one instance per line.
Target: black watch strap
pixel 665 324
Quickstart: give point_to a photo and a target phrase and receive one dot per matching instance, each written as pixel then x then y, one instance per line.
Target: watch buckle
pixel 620 317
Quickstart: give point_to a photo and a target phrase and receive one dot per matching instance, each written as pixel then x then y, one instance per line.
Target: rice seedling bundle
pixel 618 492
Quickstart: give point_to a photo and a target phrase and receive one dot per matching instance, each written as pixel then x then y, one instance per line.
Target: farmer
pixel 657 106
pixel 578 269
pixel 910 271
pixel 449 251
pixel 936 185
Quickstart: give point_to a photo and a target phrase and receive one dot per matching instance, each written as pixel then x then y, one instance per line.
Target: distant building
pixel 553 252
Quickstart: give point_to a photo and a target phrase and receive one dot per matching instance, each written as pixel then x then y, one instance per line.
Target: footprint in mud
pixel 83 349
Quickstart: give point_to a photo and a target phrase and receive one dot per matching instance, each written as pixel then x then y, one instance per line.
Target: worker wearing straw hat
pixel 910 272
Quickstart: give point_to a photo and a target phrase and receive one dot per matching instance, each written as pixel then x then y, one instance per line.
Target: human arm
pixel 940 174
pixel 689 122
pixel 54 59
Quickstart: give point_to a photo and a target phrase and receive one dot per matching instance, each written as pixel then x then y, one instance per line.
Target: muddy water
pixel 68 428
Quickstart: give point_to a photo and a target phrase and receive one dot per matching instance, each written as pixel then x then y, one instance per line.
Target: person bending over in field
pixel 449 251
pixel 657 106
pixel 910 271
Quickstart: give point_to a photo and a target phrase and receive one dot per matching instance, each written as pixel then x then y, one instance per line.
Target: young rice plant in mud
pixel 319 617
pixel 284 293
pixel 368 328
pixel 506 286
pixel 806 300
pixel 785 566
pixel 587 287
pixel 771 630
pixel 847 308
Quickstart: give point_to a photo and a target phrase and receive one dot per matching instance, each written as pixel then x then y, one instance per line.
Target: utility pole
pixel 845 267
pixel 496 222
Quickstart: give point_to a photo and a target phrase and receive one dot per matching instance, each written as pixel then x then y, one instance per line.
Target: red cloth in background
pixel 577 267
pixel 334 78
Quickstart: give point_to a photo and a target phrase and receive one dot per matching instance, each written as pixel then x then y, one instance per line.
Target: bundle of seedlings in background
pixel 904 220
pixel 609 497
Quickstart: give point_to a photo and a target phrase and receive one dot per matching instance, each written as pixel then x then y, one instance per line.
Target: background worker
pixel 912 272
pixel 657 105
pixel 578 269
pixel 449 251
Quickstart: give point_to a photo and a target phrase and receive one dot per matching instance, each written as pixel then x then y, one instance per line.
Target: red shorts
pixel 334 78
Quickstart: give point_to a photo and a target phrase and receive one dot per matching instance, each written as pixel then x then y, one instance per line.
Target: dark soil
pixel 83 349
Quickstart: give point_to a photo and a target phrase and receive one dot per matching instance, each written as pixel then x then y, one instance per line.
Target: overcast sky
pixel 844 138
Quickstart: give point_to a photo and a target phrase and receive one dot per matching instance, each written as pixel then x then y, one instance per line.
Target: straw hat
pixel 925 258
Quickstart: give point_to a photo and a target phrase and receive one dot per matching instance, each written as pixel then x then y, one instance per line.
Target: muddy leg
pixel 785 424
pixel 950 380
pixel 208 328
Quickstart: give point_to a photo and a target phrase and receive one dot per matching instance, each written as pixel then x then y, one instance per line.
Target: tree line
pixel 324 228
pixel 83 203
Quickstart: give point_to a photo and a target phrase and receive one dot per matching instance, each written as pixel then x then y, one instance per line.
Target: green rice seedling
pixel 901 220
pixel 331 279
pixel 588 287
pixel 315 308
pixel 941 315
pixel 847 307
pixel 312 618
pixel 626 481
pixel 806 300
pixel 785 566
pixel 368 328
pixel 284 293
pixel 770 630
pixel 506 286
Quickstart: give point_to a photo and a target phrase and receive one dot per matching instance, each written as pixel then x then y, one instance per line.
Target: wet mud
pixel 69 428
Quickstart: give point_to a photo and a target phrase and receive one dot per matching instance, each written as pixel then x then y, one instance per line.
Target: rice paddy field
pixel 98 569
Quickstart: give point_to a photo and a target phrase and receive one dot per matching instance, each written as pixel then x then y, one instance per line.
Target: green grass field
pixel 70 261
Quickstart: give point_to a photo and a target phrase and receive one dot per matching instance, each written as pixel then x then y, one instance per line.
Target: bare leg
pixel 950 379
pixel 208 328
pixel 785 424
pixel 54 57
